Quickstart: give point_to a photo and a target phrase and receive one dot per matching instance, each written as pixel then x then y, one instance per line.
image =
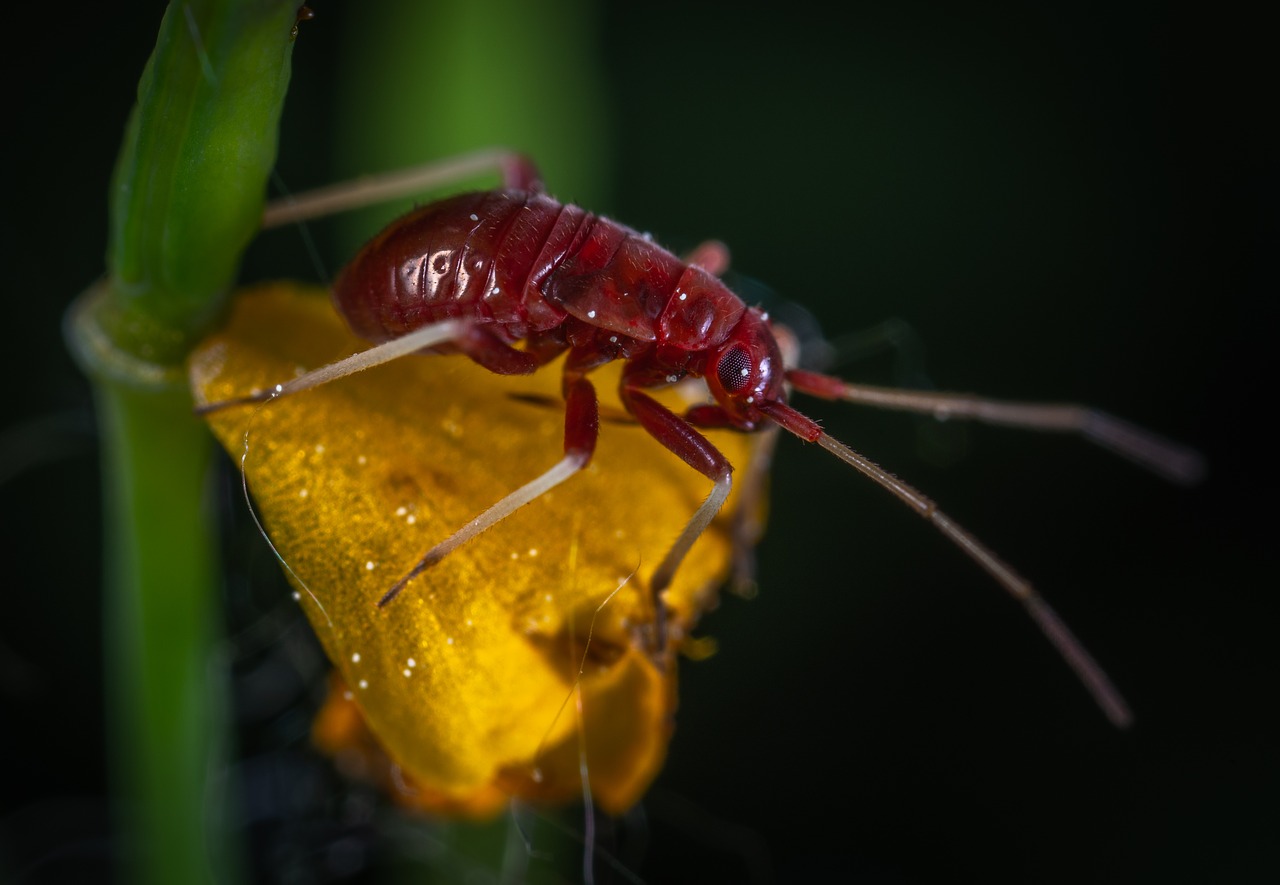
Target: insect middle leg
pixel 581 430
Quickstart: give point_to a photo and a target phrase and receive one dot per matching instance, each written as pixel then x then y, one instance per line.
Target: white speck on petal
pixel 407 672
pixel 297 596
pixel 684 295
pixel 591 314
pixel 368 566
pixel 364 683
pixel 411 662
pixel 355 658
pixel 475 217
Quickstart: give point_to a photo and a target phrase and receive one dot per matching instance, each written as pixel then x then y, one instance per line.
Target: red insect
pixel 479 273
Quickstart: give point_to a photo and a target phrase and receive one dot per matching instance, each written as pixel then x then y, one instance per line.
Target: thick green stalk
pixel 186 198
pixel 167 687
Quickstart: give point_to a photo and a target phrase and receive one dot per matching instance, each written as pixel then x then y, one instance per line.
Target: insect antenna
pixel 1173 461
pixel 1095 679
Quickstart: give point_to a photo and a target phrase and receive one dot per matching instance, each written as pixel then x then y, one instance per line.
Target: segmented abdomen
pixel 474 255
pixel 514 258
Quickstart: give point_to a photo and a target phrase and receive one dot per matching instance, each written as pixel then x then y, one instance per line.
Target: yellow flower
pixel 470 680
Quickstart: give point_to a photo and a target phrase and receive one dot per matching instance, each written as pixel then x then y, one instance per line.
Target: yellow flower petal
pixel 468 678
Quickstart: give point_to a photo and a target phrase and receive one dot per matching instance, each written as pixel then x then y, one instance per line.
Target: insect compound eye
pixel 734 370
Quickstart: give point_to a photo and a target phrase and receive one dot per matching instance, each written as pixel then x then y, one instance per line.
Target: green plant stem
pixel 163 624
pixel 186 198
pixel 166 690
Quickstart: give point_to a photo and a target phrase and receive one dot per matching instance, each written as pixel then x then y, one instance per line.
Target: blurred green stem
pixel 428 81
pixel 186 198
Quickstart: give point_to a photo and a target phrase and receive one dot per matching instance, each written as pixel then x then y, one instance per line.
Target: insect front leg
pixel 698 452
pixel 749 514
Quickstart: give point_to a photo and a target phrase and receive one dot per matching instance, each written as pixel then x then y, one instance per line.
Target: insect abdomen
pixel 514 258
pixel 482 255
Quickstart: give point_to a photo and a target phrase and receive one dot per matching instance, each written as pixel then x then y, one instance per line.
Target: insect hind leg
pixel 516 170
pixel 419 339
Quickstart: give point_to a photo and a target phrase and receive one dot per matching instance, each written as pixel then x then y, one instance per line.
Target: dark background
pixel 1072 203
